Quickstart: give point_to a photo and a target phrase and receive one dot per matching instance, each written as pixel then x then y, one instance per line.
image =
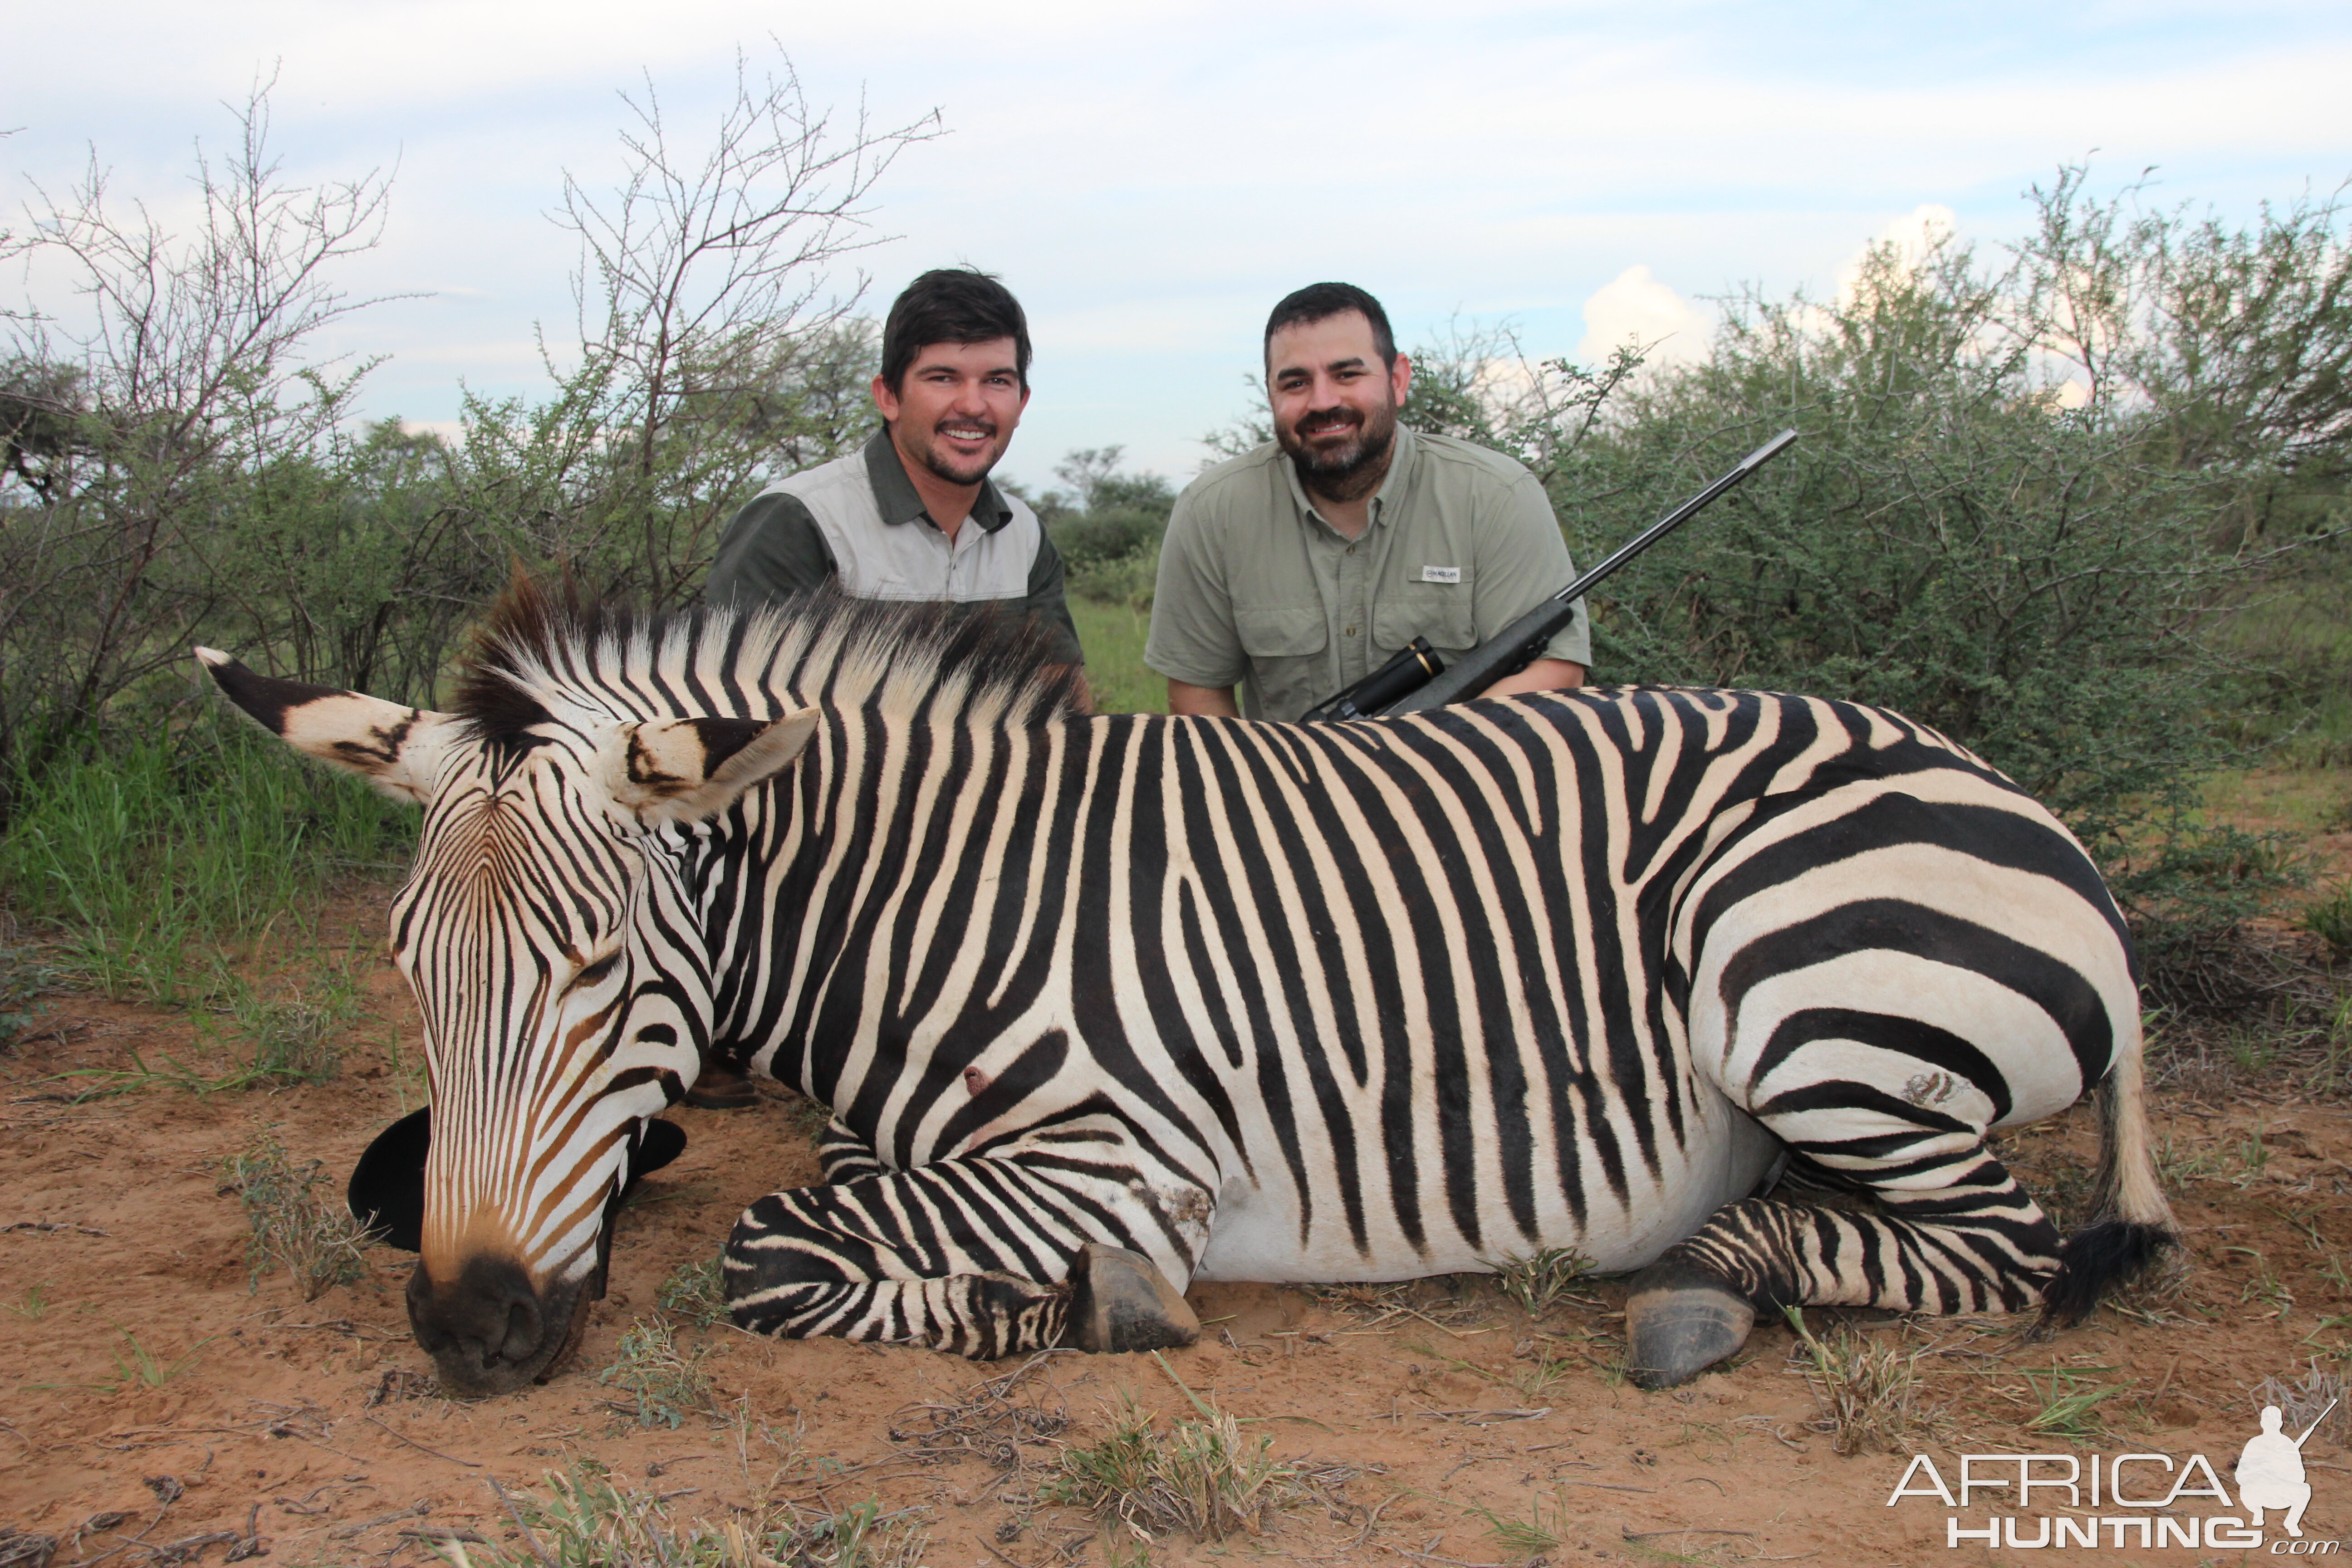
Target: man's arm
pixel 1541 675
pixel 1048 600
pixel 1193 642
pixel 772 551
pixel 1208 701
pixel 1522 550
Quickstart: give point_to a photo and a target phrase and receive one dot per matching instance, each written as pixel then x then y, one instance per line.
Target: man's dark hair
pixel 1320 302
pixel 951 305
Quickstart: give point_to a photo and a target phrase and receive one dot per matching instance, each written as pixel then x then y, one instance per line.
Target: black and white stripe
pixel 1355 1001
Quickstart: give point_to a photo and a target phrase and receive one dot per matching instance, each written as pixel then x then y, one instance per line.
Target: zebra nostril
pixel 522 1331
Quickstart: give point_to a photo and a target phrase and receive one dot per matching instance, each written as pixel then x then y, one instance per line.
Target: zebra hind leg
pixel 989 1266
pixel 1954 1232
pixel 1972 1241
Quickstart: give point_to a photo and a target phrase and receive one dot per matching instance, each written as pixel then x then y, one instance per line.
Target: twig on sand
pixel 370 1420
pixel 529 1536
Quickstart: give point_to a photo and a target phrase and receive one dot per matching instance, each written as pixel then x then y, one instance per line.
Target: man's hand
pixel 1543 674
pixel 1208 701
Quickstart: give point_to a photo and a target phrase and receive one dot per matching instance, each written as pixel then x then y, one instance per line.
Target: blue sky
pixel 1152 177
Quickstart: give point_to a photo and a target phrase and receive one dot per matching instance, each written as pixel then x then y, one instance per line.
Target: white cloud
pixel 1636 307
pixel 1914 237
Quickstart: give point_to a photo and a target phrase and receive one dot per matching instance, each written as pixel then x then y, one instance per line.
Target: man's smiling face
pixel 956 410
pixel 1335 403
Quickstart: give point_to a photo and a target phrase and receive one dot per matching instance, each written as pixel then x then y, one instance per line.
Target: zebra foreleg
pixel 984 1258
pixel 842 1156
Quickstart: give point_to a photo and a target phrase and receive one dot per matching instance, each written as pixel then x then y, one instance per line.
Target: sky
pixel 1150 178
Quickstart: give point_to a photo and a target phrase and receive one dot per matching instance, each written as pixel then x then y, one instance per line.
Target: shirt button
pixel 1352 631
pixel 1351 549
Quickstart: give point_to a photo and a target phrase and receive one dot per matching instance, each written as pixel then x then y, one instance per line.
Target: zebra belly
pixel 1255 1233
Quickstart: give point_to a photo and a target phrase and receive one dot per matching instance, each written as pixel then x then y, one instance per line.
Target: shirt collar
pixel 1401 458
pixel 899 501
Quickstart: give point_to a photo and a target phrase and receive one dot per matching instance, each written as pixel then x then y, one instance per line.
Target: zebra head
pixel 558 1018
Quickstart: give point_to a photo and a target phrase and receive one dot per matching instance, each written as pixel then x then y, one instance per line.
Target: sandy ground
pixel 161 1409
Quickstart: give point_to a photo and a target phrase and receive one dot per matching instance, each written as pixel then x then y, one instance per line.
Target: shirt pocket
pixel 1281 631
pixel 1440 613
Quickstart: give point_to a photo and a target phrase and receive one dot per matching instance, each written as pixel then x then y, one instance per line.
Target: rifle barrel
pixel 1513 649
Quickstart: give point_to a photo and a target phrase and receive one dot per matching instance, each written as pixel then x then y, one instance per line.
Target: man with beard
pixel 912 515
pixel 1301 566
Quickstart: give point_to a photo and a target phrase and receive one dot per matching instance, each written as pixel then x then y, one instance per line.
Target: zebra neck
pixel 907 875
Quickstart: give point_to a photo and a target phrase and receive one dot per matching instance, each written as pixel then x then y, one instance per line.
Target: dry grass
pixel 2308 1401
pixel 291 1226
pixel 994 1419
pixel 583 1518
pixel 1867 1386
pixel 1542 1279
pixel 1199 1476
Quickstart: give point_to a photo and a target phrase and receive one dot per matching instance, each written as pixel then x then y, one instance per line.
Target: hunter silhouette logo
pixel 2270 1472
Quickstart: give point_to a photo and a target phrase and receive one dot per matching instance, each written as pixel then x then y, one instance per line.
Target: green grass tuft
pixel 291 1227
pixel 150 856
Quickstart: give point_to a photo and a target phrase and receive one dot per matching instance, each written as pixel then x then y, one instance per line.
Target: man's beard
pixel 939 463
pixel 1350 471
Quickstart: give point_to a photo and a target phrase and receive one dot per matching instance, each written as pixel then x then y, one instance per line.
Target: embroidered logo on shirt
pixel 1441 574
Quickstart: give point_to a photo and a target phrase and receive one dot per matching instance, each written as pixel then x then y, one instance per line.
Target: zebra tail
pixel 2132 1225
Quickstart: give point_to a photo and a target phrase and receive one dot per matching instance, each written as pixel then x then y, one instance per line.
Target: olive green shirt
pixel 1256 586
pixel 859 521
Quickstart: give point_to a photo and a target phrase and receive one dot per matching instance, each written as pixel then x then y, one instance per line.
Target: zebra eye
pixel 593 972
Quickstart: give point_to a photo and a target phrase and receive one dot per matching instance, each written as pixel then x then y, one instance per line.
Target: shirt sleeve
pixel 1522 562
pixel 1046 601
pixel 771 551
pixel 1193 638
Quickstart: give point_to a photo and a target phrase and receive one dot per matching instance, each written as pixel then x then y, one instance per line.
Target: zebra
pixel 1105 1005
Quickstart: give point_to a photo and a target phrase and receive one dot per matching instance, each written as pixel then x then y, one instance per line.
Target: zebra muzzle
pixel 489 1329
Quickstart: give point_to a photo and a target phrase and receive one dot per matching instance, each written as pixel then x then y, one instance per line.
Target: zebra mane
pixel 545 653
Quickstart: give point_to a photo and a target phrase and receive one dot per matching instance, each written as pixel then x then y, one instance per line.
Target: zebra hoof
pixel 722 1089
pixel 1119 1301
pixel 1678 1323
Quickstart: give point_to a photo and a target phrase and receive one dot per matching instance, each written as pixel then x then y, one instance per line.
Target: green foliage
pixel 25 975
pixel 1107 527
pixel 1113 636
pixel 291 1225
pixel 664 1385
pixel 696 1292
pixel 195 834
pixel 2331 921
pixel 2030 497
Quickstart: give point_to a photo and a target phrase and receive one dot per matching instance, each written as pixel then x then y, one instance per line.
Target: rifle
pixel 1417 678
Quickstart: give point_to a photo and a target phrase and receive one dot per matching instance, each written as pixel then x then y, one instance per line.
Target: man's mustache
pixel 1337 419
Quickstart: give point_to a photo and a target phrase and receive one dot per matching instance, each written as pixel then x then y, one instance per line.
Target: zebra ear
pixel 670 771
pixel 365 735
pixel 386 1194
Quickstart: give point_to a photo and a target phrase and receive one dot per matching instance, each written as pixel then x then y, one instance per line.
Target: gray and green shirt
pixel 859 518
pixel 1256 586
